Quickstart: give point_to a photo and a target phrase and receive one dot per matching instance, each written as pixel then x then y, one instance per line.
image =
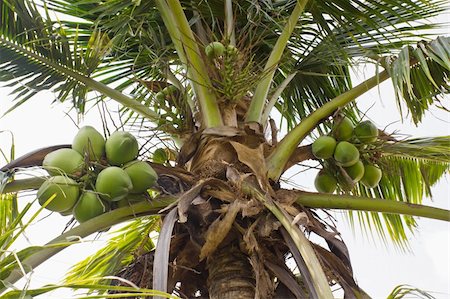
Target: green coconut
pixel 113 183
pixel 169 90
pixel 121 147
pixel 63 161
pixel 88 206
pixel 323 147
pixel 88 141
pixel 366 132
pixel 372 176
pixel 356 171
pixel 65 191
pixel 346 154
pixel 325 182
pixel 214 49
pixel 232 50
pixel 142 175
pixel 343 129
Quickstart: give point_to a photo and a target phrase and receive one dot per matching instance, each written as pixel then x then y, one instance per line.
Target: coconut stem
pixel 230 275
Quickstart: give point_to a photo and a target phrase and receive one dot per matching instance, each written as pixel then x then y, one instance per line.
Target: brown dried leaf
pixel 286 278
pixel 265 286
pixel 219 229
pixel 254 159
pixel 189 148
pixel 223 131
pixel 161 262
pixel 33 158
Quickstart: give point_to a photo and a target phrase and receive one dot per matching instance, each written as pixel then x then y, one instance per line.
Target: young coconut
pixel 88 206
pixel 142 175
pixel 88 141
pixel 343 129
pixel 113 183
pixel 356 171
pixel 323 147
pixel 366 132
pixel 372 176
pixel 214 50
pixel 325 182
pixel 346 154
pixel 121 147
pixel 65 191
pixel 63 161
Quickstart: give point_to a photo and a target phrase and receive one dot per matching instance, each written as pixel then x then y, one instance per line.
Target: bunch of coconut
pixel 341 152
pixel 94 175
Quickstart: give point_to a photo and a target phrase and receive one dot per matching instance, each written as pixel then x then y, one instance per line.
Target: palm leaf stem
pixel 197 71
pixel 230 22
pixel 349 202
pixel 95 85
pixel 319 280
pixel 259 98
pixel 283 151
pixel 23 184
pixel 275 96
pixel 83 230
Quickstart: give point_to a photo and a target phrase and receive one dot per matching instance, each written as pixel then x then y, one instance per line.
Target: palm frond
pixel 421 76
pixel 132 239
pixel 410 168
pixel 405 290
pixel 87 285
pixel 335 34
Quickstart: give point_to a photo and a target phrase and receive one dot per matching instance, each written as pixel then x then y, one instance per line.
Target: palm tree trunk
pixel 230 275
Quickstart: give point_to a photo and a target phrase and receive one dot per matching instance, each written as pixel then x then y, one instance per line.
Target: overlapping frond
pixel 119 251
pixel 421 75
pixel 410 168
pixel 334 35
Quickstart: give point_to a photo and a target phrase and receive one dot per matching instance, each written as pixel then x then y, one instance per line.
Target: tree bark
pixel 230 274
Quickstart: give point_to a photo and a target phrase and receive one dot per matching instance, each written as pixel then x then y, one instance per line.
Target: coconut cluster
pixel 94 175
pixel 341 155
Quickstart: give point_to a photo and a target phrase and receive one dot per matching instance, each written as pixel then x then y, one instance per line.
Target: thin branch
pixel 230 34
pixel 186 46
pixel 83 230
pixel 259 98
pixel 280 156
pixel 350 202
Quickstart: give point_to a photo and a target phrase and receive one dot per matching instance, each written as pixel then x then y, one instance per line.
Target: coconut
pixel 214 49
pixel 121 147
pixel 63 161
pixel 65 191
pixel 142 175
pixel 372 176
pixel 346 154
pixel 113 183
pixel 323 147
pixel 366 132
pixel 232 50
pixel 88 206
pixel 356 171
pixel 343 129
pixel 325 182
pixel 88 141
pixel 169 90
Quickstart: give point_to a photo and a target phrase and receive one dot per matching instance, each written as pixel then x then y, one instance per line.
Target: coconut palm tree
pixel 217 79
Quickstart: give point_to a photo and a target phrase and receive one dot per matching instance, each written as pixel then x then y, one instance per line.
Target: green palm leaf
pixel 119 251
pixel 422 75
pixel 410 168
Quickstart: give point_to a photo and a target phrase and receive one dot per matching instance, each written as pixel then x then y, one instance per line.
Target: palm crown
pixel 294 57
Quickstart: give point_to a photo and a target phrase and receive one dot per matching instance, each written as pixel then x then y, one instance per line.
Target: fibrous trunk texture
pixel 230 275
